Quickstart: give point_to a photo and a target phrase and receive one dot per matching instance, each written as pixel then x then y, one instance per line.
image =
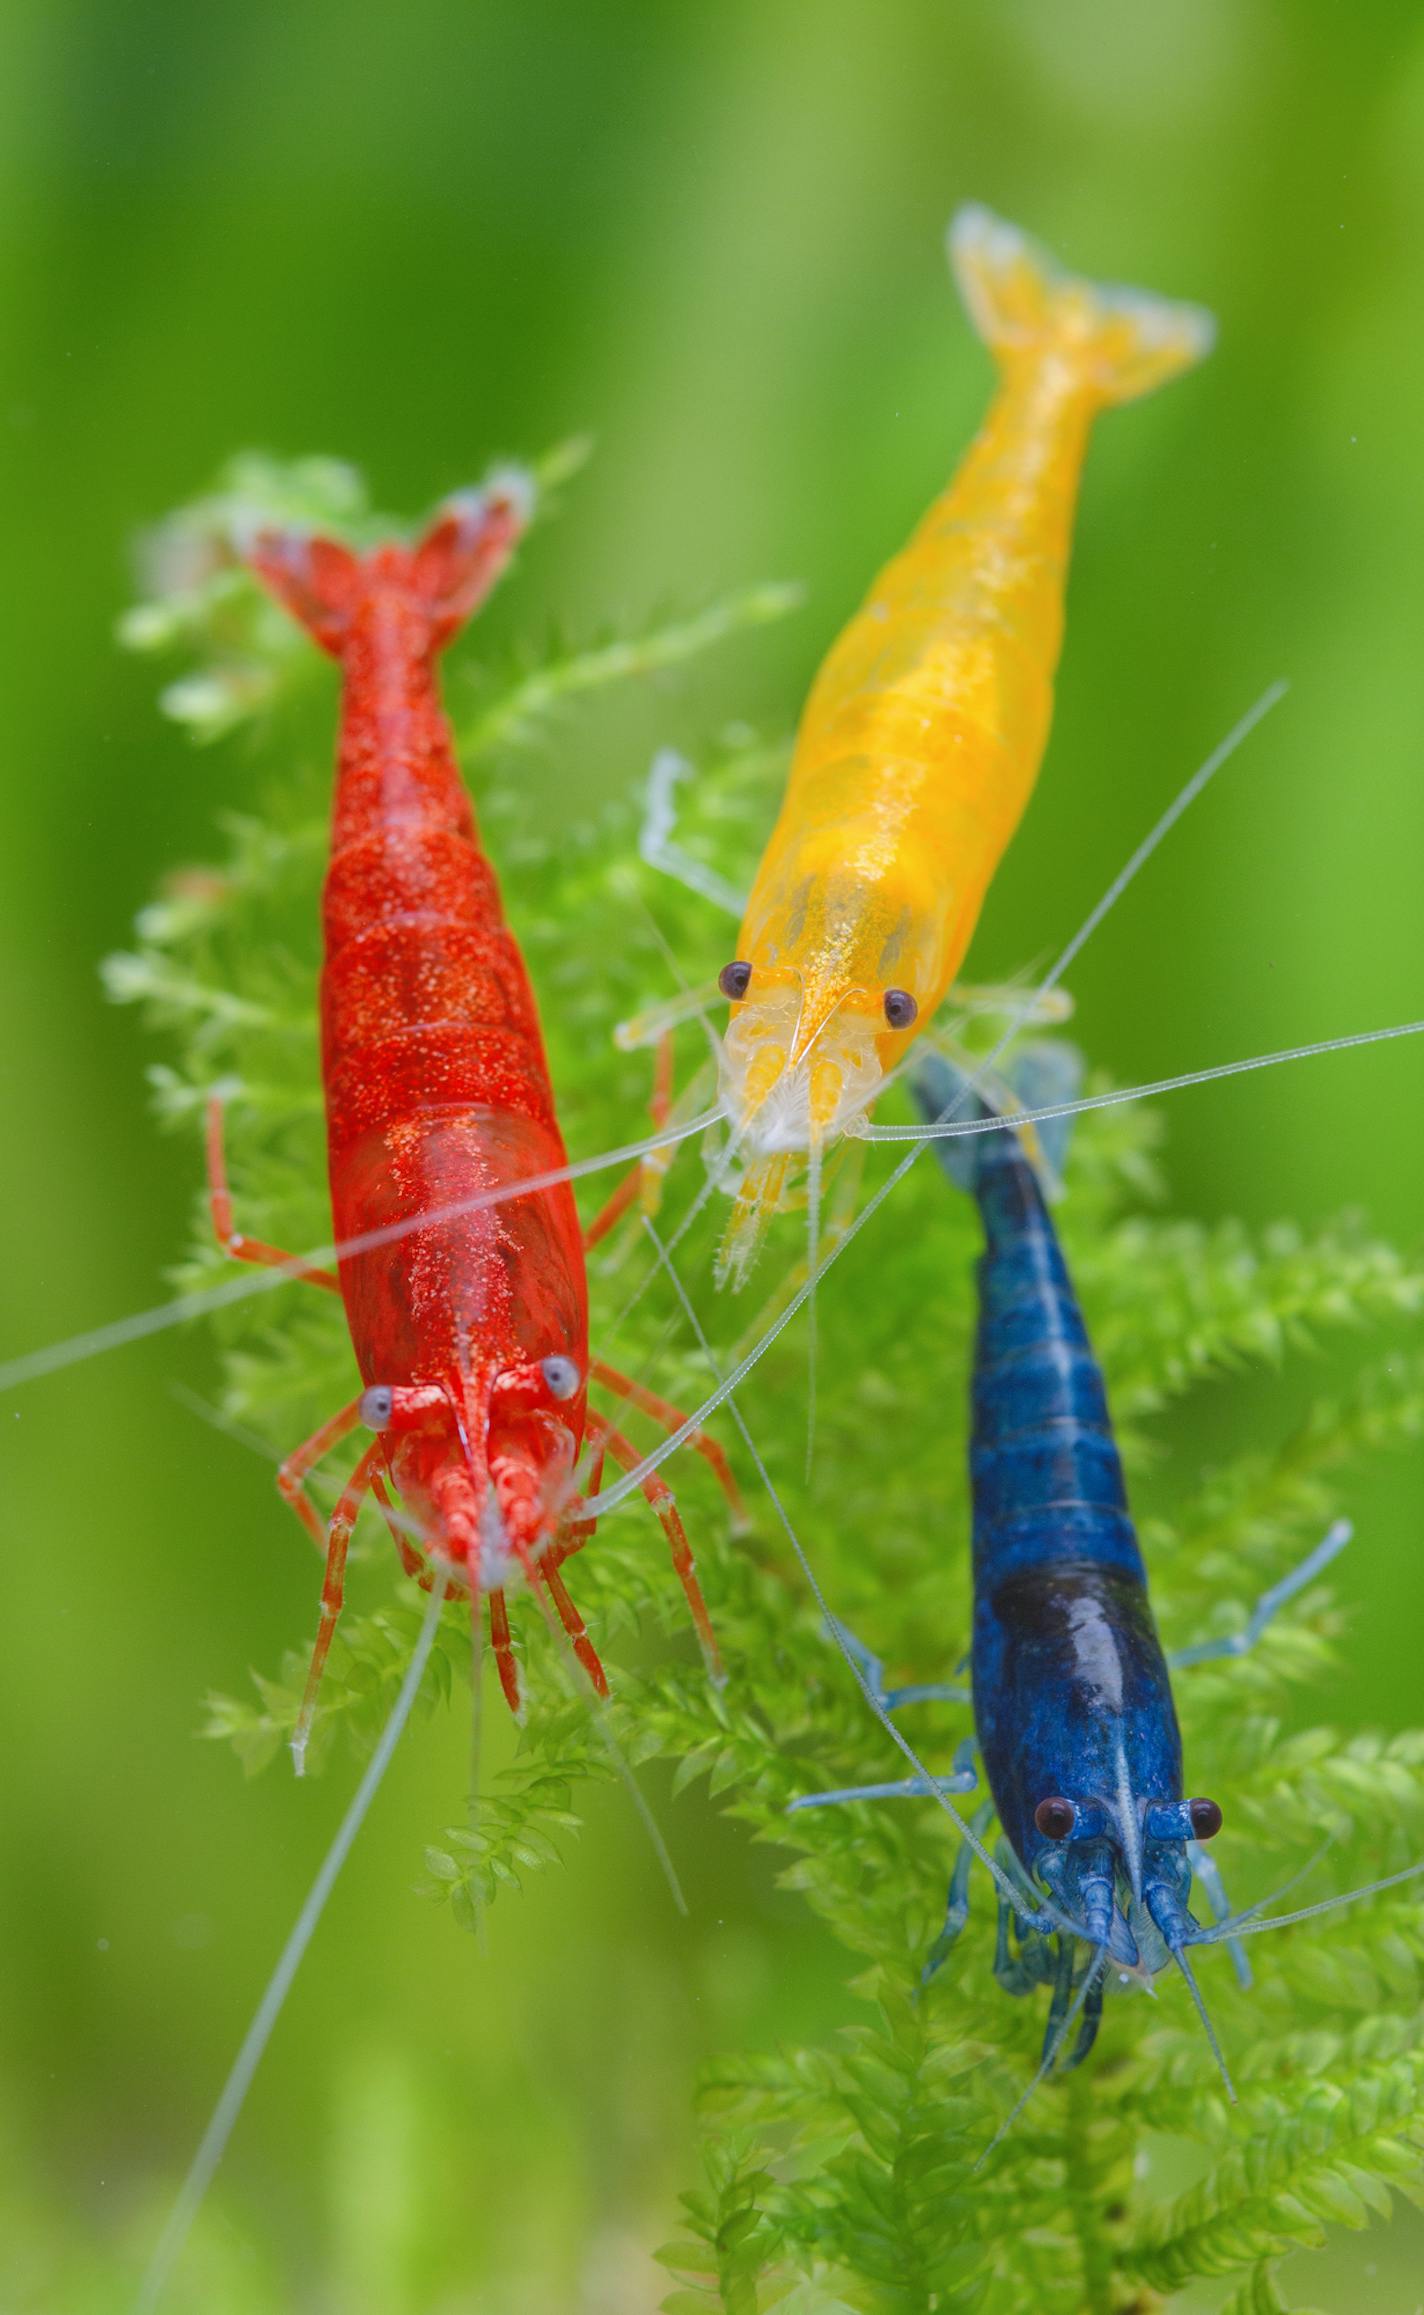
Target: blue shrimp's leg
pixel 1091 2020
pixel 1056 2023
pixel 927 1692
pixel 918 1692
pixel 1208 1872
pixel 956 1910
pixel 655 838
pixel 1267 1606
pixel 962 1778
pixel 1022 1972
pixel 907 1788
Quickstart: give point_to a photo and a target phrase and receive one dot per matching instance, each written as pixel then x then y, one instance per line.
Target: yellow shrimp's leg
pixel 1001 1098
pixel 762 1194
pixel 1041 1008
pixel 649 1027
pixel 841 1211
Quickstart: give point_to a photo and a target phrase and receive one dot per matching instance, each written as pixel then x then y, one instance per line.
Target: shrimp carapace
pixel 1074 1716
pixel 922 737
pixel 469 1318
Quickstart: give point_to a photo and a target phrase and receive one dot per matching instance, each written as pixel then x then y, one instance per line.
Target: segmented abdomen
pixel 922 737
pixel 425 999
pixel 1047 1479
pixel 437 1087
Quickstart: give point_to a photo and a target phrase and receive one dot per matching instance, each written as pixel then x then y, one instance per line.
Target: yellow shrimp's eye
pixel 733 979
pixel 900 1008
pixel 561 1376
pixel 1206 1818
pixel 1055 1818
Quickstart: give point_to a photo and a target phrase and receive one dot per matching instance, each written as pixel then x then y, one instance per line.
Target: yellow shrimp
pixel 922 736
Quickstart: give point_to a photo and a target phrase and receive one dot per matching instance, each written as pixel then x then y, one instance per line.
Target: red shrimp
pixel 470 1327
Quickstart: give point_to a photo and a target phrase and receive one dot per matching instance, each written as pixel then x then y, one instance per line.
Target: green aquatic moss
pixel 841 2176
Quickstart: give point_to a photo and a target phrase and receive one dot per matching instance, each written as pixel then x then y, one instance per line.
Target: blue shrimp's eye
pixel 734 978
pixel 900 1008
pixel 561 1376
pixel 1055 1818
pixel 1206 1819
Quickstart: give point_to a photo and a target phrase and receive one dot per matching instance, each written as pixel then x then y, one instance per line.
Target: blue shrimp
pixel 1072 1695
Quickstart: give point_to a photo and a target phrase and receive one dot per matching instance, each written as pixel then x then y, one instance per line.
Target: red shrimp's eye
pixel 377 1406
pixel 733 979
pixel 1206 1819
pixel 900 1008
pixel 1055 1818
pixel 561 1376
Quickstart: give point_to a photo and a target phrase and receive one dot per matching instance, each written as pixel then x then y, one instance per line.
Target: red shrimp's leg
pixel 300 1461
pixel 573 1623
pixel 659 1494
pixel 645 1178
pixel 343 1519
pixel 573 1537
pixel 662 1411
pixel 410 1558
pixel 506 1663
pixel 232 1241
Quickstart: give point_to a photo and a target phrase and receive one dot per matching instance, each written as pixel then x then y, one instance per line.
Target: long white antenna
pixel 234 2090
pixel 1241 1925
pixel 934 1789
pixel 77 1347
pixel 615 1494
pixel 948 1129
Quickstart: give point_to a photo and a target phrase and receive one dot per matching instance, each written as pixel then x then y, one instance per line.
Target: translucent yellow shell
pixel 922 737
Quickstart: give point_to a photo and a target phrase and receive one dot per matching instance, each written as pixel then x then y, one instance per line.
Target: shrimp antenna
pixel 716 1179
pixel 1243 1924
pixel 213 2144
pixel 949 1129
pixel 670 959
pixel 813 1254
pixel 1233 1921
pixel 477 1745
pixel 579 1686
pixel 1178 1953
pixel 1050 2056
pixel 1182 802
pixel 836 1629
pixel 1161 828
pixel 718 1167
pixel 75 1348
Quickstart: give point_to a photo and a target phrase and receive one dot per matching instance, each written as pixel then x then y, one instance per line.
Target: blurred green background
pixel 711 238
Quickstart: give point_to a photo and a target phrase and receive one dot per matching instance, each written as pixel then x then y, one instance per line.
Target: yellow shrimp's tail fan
pixel 1123 341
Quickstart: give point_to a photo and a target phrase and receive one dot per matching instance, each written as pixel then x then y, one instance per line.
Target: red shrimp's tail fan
pixel 318 580
pixel 449 571
pixel 466 548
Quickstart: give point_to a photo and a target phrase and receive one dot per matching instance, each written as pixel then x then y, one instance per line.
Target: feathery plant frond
pixel 844 2177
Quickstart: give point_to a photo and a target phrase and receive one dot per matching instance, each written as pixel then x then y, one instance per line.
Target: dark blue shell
pixel 1071 1693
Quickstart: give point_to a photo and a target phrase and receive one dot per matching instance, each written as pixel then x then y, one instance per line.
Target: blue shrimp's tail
pixel 1042 1076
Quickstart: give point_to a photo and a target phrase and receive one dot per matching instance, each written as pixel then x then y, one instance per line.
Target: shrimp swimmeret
pixel 922 737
